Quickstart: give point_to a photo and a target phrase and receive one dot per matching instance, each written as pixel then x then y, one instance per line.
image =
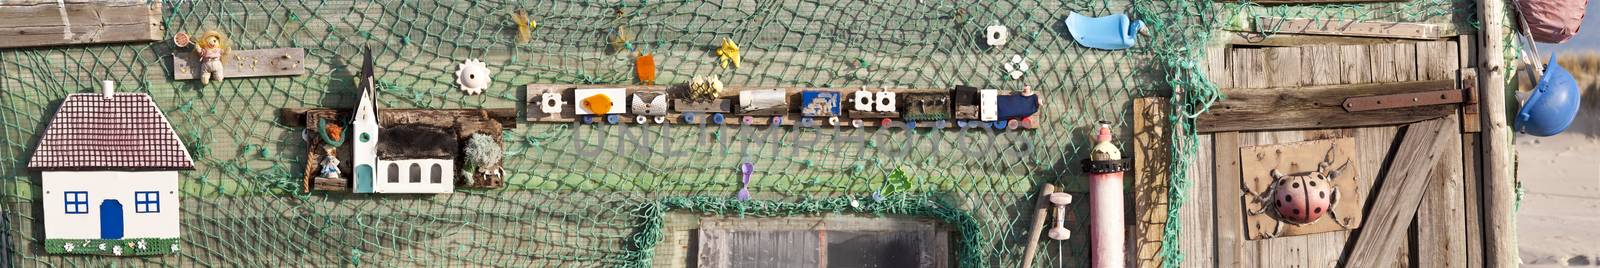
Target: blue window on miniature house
pixel 77 202
pixel 147 202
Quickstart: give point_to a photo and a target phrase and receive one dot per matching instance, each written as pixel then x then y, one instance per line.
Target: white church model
pixel 401 158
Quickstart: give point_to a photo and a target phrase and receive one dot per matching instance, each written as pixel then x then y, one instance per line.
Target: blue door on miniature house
pixel 110 219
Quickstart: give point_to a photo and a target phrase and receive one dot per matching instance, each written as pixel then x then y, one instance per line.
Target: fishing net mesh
pixel 597 195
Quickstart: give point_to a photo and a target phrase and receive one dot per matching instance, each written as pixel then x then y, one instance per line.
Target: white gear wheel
pixel 472 76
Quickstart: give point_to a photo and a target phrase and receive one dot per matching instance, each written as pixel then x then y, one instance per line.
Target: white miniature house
pixel 109 176
pixel 403 158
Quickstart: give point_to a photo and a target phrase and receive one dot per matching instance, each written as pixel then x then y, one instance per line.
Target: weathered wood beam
pixel 1301 40
pixel 1315 107
pixel 1402 30
pixel 245 63
pixel 1414 167
pixel 1308 1
pixel 31 23
pixel 1500 179
pixel 507 117
pixel 1151 169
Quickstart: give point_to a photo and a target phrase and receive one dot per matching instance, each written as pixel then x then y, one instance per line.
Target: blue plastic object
pixel 1112 32
pixel 1553 105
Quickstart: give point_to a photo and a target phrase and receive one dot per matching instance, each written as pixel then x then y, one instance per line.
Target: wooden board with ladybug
pixel 1300 185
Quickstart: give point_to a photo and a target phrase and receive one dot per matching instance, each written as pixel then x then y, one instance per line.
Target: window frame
pixel 82 201
pixel 140 205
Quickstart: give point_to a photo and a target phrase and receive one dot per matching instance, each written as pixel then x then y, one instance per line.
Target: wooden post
pixel 1499 185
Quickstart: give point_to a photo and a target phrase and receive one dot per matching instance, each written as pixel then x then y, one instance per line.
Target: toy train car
pixel 966 105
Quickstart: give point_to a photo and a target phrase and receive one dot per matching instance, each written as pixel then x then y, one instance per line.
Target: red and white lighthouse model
pixel 1105 167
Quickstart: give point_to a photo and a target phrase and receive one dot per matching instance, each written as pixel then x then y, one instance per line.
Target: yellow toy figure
pixel 728 53
pixel 211 47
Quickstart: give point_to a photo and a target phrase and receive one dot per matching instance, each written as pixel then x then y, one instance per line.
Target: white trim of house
pixel 112 185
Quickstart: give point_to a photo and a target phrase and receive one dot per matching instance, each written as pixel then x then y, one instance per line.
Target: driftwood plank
pixel 1355 64
pixel 1217 67
pixel 1231 245
pixel 31 23
pixel 1284 66
pixel 1401 191
pixel 1315 107
pixel 1322 65
pixel 1199 243
pixel 1441 230
pixel 1302 40
pixel 1402 30
pixel 1473 195
pixel 245 63
pixel 1151 159
pixel 507 117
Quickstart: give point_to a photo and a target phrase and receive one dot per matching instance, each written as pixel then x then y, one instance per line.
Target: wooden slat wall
pixel 1443 239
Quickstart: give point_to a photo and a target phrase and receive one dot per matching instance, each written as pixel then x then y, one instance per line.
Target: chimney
pixel 108 88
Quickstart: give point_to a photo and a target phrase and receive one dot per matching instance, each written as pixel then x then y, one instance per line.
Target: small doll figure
pixel 211 47
pixel 329 165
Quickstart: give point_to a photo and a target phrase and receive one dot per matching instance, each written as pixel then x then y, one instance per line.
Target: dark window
pixel 438 174
pixel 416 173
pixel 394 173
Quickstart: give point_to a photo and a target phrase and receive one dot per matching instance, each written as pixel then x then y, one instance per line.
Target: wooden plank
pixel 507 117
pixel 1299 157
pixel 1302 40
pixel 1469 82
pixel 1322 65
pixel 1383 63
pixel 1283 66
pixel 1151 169
pixel 1401 191
pixel 1473 195
pixel 31 23
pixel 1437 60
pixel 1498 174
pixel 1249 70
pixel 1198 242
pixel 1231 245
pixel 1309 1
pixel 1217 67
pixel 819 241
pixel 245 63
pixel 1405 62
pixel 1315 107
pixel 1441 219
pixel 1355 64
pixel 1401 30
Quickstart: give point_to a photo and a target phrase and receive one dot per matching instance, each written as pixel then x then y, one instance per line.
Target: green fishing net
pixel 596 195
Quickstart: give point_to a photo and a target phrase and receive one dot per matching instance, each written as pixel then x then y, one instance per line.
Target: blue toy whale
pixel 1113 32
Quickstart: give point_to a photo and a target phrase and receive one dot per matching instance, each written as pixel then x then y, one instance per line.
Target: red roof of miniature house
pixel 123 132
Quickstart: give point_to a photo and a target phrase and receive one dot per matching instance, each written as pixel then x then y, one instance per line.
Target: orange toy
pixel 645 67
pixel 598 104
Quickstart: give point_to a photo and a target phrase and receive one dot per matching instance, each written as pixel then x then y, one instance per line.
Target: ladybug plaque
pixel 1300 188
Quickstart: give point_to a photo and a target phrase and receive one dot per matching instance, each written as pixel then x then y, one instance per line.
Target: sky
pixel 1588 38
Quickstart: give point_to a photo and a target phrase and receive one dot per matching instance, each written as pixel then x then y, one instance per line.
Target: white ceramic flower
pixel 996 35
pixel 102 246
pixel 141 244
pixel 68 246
pixel 116 250
pixel 472 76
pixel 1016 67
pixel 174 247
